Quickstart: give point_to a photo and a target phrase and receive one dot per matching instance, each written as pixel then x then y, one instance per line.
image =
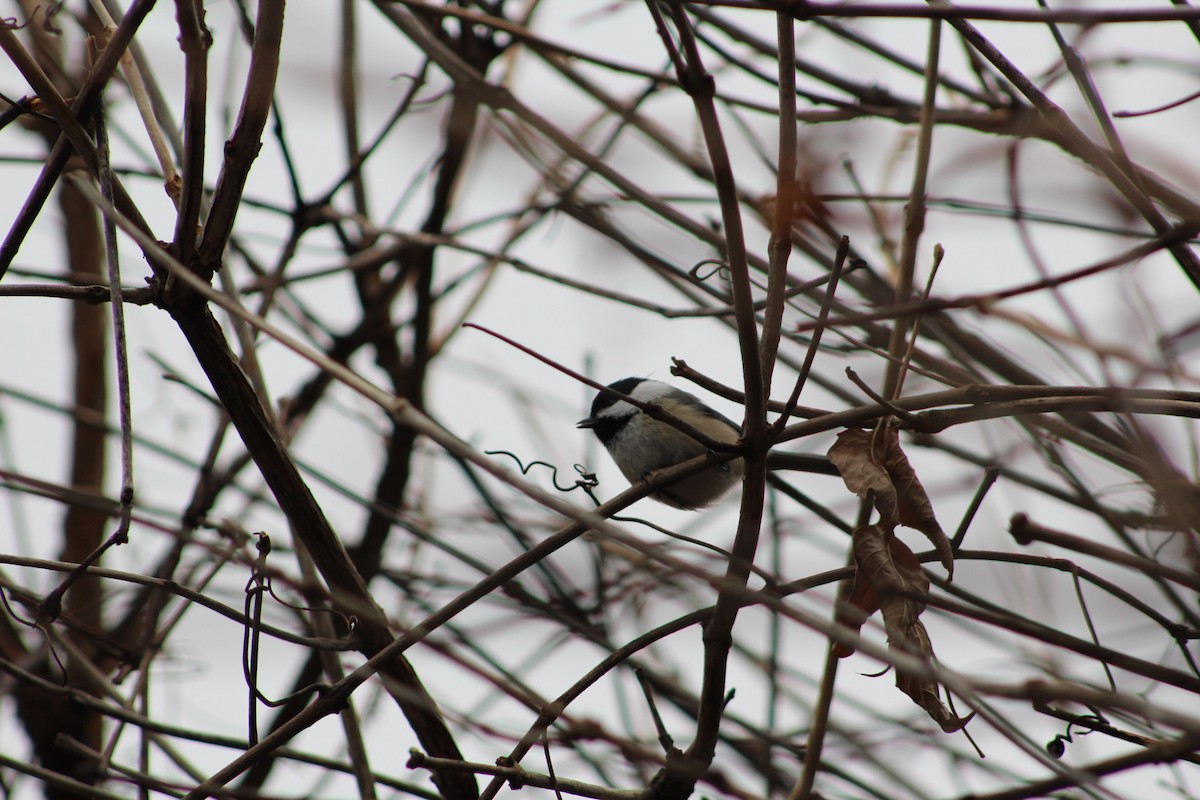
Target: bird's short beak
pixel 590 422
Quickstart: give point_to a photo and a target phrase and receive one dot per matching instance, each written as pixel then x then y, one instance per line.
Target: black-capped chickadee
pixel 640 444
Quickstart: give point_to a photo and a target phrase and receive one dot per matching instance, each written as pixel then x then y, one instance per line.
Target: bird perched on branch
pixel 641 444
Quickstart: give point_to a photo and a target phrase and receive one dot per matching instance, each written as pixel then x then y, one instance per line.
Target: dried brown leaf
pixel 863 471
pixel 886 572
pixel 924 692
pixel 873 463
pixel 900 585
pixel 888 577
pixel 855 608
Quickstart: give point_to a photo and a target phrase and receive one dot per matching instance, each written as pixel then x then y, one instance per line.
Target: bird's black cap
pixel 606 398
pixel 606 428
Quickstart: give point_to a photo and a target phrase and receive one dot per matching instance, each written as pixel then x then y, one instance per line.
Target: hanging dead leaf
pixel 863 471
pixel 888 577
pixel 855 609
pixel 925 692
pixel 894 571
pixel 873 463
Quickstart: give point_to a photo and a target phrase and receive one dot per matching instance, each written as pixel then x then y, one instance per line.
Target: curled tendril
pixel 51 12
pixel 720 267
pixel 586 481
pixel 12 612
pixel 42 626
pixel 349 622
pixel 260 584
pixel 1057 746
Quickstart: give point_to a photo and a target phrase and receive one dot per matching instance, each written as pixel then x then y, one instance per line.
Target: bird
pixel 640 444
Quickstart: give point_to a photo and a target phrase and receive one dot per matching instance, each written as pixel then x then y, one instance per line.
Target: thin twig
pixel 914 215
